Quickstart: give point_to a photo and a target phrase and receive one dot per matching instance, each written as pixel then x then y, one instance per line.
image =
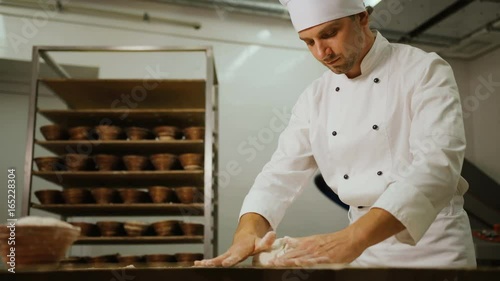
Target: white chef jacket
pixel 391 138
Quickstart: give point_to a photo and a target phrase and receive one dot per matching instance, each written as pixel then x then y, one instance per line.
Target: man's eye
pixel 310 43
pixel 330 34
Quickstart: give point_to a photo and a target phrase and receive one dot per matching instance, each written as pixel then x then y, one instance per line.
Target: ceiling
pixel 463 29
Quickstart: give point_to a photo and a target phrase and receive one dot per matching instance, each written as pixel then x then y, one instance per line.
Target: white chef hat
pixel 309 13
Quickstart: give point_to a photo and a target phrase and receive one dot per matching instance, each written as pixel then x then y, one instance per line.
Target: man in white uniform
pixel 384 126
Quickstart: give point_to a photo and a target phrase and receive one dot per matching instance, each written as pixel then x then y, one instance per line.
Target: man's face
pixel 337 44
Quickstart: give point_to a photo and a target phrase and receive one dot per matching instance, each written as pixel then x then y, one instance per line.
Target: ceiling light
pixel 372 3
pixel 264 34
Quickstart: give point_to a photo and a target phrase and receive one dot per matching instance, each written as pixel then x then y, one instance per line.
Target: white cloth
pixel 308 13
pixel 398 145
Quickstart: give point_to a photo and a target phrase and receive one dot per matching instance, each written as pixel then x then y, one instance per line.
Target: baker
pixel 384 127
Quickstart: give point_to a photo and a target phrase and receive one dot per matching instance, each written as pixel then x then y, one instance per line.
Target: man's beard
pixel 354 50
pixel 348 64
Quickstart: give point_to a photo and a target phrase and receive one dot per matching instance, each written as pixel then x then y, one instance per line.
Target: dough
pixel 278 249
pixel 43 221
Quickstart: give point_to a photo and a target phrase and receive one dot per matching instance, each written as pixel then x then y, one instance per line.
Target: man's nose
pixel 323 50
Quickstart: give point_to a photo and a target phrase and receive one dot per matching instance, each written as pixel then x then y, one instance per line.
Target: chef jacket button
pixel 346 176
pixel 360 207
pixel 376 80
pixel 337 89
pixel 375 127
pixel 334 133
pixel 379 173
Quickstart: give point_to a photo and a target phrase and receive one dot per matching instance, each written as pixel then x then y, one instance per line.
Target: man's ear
pixel 364 18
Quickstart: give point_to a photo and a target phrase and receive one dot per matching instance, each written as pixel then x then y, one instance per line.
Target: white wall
pixel 484 105
pixel 262 69
pixel 479 84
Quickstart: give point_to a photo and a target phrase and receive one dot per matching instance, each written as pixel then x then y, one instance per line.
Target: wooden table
pixel 251 273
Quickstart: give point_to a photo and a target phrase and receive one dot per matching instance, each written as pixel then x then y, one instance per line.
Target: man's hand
pixel 338 247
pixel 252 236
pixel 343 246
pixel 244 245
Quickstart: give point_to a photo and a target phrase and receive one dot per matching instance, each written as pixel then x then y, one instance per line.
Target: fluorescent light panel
pixel 372 3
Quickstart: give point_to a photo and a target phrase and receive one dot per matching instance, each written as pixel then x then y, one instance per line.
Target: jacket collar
pixel 375 54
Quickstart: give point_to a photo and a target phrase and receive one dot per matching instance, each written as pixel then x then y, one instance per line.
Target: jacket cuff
pixel 411 207
pixel 271 208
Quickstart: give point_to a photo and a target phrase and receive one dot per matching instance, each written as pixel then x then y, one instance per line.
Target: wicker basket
pixel 163 161
pixel 77 196
pixel 135 228
pixel 76 162
pixel 132 195
pixel 103 259
pixel 166 132
pixel 191 161
pixel 188 258
pixel 137 133
pixel 106 162
pixel 192 229
pixel 159 258
pixel 37 245
pixel 110 228
pixel 161 194
pixel 79 133
pixel 135 162
pixel 108 132
pixel 49 196
pixel 194 133
pixel 167 228
pixel 188 194
pixel 53 132
pixel 48 164
pixel 127 260
pixel 105 195
pixel 87 229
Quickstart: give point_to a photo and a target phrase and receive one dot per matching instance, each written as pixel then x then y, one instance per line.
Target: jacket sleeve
pixel 283 178
pixel 426 185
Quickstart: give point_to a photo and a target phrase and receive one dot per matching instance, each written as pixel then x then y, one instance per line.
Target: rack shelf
pixel 129 93
pixel 127 117
pixel 123 147
pixel 143 209
pixel 144 103
pixel 139 240
pixel 122 178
